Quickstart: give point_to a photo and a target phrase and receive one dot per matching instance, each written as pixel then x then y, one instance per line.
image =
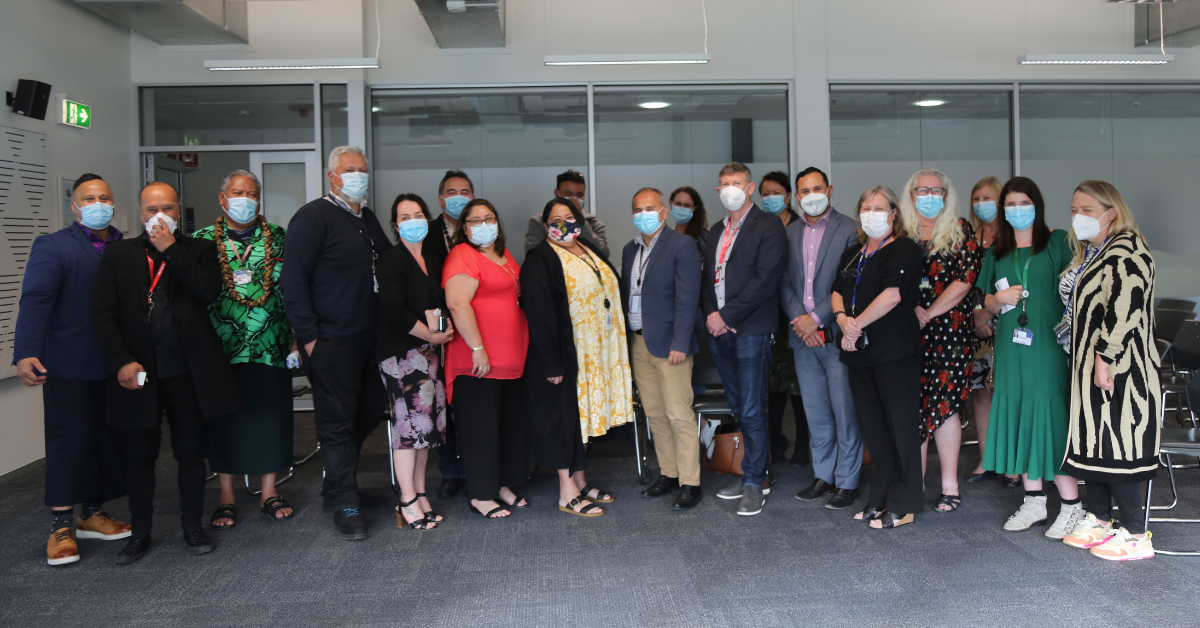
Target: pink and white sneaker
pixel 1125 546
pixel 1089 533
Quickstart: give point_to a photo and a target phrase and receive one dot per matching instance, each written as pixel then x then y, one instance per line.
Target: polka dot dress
pixel 948 341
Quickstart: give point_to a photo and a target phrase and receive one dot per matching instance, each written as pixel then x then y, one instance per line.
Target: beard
pixel 352 200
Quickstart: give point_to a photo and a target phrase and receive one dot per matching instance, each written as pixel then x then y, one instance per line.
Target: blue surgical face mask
pixel 413 231
pixel 455 205
pixel 647 222
pixel 242 209
pixel 929 205
pixel 354 184
pixel 484 234
pixel 1020 216
pixel 96 216
pixel 682 215
pixel 773 204
pixel 985 210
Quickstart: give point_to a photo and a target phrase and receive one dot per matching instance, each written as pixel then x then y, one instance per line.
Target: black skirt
pixel 258 438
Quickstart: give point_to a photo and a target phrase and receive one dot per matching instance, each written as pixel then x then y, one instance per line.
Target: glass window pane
pixel 334 119
pixel 882 138
pixel 227 114
pixel 670 139
pixel 284 191
pixel 512 145
pixel 198 178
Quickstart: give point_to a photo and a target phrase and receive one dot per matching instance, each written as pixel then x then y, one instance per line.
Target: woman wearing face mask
pixel 776 192
pixel 951 268
pixel 687 210
pixel 1027 433
pixel 578 380
pixel 874 301
pixel 250 322
pixel 485 360
pixel 1114 435
pixel 412 328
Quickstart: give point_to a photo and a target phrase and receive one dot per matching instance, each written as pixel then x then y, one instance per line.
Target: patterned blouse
pixel 258 335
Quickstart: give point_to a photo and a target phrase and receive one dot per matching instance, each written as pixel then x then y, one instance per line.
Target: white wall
pixel 84 56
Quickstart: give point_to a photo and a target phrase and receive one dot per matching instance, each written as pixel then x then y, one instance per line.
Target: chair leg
pixel 637 448
pixel 1174 490
pixel 391 460
pixel 308 457
pixel 279 481
pixel 1149 492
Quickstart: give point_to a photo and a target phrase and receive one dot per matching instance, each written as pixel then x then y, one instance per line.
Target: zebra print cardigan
pixel 1114 437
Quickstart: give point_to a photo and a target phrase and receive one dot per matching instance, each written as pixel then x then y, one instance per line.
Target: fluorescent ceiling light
pixel 291 64
pixel 654 105
pixel 1131 59
pixel 647 59
pixel 929 103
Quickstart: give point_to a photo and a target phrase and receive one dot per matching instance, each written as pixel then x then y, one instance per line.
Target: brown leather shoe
pixel 61 548
pixel 102 526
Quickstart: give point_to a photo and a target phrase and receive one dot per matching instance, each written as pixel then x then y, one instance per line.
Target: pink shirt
pixel 812 246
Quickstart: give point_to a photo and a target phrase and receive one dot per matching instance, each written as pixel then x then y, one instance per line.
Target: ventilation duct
pixel 464 23
pixel 178 22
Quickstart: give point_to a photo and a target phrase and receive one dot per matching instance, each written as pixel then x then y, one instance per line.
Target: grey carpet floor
pixel 796 564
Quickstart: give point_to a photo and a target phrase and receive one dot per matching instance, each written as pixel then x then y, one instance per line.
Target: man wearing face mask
pixel 570 185
pixel 660 287
pixel 331 297
pixel 740 300
pixel 150 315
pixel 54 347
pixel 815 246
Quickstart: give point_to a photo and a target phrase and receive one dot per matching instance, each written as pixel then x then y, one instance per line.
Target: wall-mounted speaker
pixel 32 99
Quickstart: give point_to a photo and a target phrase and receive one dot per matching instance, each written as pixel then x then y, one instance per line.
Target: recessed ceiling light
pixel 929 103
pixel 374 109
pixel 654 105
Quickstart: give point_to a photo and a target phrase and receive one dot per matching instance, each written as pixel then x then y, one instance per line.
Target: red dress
pixel 499 316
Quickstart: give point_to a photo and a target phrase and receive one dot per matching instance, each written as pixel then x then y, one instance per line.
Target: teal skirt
pixel 257 439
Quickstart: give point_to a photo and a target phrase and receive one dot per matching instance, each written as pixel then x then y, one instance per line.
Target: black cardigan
pixel 404 294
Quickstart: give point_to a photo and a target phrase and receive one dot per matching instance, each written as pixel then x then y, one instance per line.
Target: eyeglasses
pixel 475 222
pixel 928 191
pixel 851 273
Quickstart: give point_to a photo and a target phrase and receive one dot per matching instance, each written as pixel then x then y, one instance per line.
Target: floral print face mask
pixel 561 230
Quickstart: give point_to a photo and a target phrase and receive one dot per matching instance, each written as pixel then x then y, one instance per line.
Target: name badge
pixel 1023 337
pixel 376 281
pixel 925 285
pixel 717 275
pixel 242 277
pixel 635 304
pixel 608 321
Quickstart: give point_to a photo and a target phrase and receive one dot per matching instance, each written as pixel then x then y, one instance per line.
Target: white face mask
pixel 875 224
pixel 1086 227
pixel 170 222
pixel 733 197
pixel 814 204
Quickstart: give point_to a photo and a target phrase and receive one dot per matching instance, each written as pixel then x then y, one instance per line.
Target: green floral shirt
pixel 258 335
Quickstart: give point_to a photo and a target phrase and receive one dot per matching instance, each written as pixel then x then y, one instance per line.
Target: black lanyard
pixel 358 226
pixel 587 259
pixel 643 253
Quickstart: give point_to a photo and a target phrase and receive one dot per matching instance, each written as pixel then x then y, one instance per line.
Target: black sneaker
pixel 843 498
pixel 134 550
pixel 197 541
pixel 350 524
pixel 663 486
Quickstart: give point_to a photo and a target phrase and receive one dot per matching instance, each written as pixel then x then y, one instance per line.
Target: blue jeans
pixel 744 363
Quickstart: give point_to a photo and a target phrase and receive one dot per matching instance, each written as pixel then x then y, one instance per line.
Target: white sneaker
pixel 1089 533
pixel 1068 519
pixel 1031 513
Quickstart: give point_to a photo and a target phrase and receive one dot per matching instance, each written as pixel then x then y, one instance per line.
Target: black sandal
pixel 889 521
pixel 592 510
pixel 870 513
pixel 273 505
pixel 489 513
pixel 952 501
pixel 601 497
pixel 518 499
pixel 420 524
pixel 224 511
pixel 431 515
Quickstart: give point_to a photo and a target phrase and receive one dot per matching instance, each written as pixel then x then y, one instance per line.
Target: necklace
pixel 227 273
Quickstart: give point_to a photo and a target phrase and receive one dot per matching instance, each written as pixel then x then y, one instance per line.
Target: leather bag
pixel 728 449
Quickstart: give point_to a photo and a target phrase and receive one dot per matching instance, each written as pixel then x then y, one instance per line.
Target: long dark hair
pixel 562 201
pixel 1006 237
pixel 699 222
pixel 460 232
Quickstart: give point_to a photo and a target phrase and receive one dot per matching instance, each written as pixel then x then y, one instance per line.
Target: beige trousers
pixel 666 394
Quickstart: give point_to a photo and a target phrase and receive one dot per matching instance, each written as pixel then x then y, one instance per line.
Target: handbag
pixel 728 448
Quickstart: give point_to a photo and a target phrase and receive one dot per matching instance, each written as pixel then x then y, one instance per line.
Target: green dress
pixel 258 438
pixel 1027 431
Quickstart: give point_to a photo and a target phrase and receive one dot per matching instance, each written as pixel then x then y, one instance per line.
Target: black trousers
pixel 1130 498
pixel 86 460
pixel 449 462
pixel 491 434
pixel 776 404
pixel 349 402
pixel 888 397
pixel 177 398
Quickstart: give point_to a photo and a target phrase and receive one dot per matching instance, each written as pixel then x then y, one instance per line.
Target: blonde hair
pixel 946 235
pixel 1108 196
pixel 898 228
pixel 987 182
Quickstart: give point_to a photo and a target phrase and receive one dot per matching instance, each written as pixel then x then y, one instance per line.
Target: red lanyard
pixel 154 277
pixel 726 240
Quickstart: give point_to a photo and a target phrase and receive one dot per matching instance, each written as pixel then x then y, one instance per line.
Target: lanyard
pixel 1087 259
pixel 643 253
pixel 368 238
pixel 154 277
pixel 1023 276
pixel 587 259
pixel 240 258
pixel 727 238
pixel 862 261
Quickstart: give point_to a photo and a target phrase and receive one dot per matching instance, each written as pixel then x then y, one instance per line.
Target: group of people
pixel 500 366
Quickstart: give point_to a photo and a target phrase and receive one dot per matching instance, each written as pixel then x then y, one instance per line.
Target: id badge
pixel 376 281
pixel 242 277
pixel 635 304
pixel 925 285
pixel 1023 337
pixel 608 321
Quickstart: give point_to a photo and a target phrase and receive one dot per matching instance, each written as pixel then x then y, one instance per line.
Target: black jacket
pixel 435 242
pixel 405 292
pixel 119 319
pixel 753 268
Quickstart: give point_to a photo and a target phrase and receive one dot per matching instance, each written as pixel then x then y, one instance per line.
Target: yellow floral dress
pixel 605 387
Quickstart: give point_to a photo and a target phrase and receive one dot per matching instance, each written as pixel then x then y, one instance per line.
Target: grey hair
pixel 662 198
pixel 240 173
pixel 343 150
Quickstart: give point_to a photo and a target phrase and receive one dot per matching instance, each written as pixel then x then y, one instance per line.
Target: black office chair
pixel 1186 305
pixel 705 375
pixel 1183 442
pixel 1184 354
pixel 1168 321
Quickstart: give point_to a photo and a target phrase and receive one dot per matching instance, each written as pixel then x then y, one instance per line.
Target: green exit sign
pixel 76 114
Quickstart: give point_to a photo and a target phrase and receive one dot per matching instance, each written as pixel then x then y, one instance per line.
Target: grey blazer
pixel 840 234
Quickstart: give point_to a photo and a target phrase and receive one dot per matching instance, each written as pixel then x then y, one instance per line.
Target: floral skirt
pixel 417 397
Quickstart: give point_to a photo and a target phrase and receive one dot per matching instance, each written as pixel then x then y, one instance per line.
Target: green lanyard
pixel 1023 277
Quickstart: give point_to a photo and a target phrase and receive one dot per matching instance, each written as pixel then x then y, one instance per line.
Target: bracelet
pixel 479 348
pixel 835 314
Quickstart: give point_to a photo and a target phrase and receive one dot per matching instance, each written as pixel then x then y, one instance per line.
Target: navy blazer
pixel 753 267
pixel 54 323
pixel 670 292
